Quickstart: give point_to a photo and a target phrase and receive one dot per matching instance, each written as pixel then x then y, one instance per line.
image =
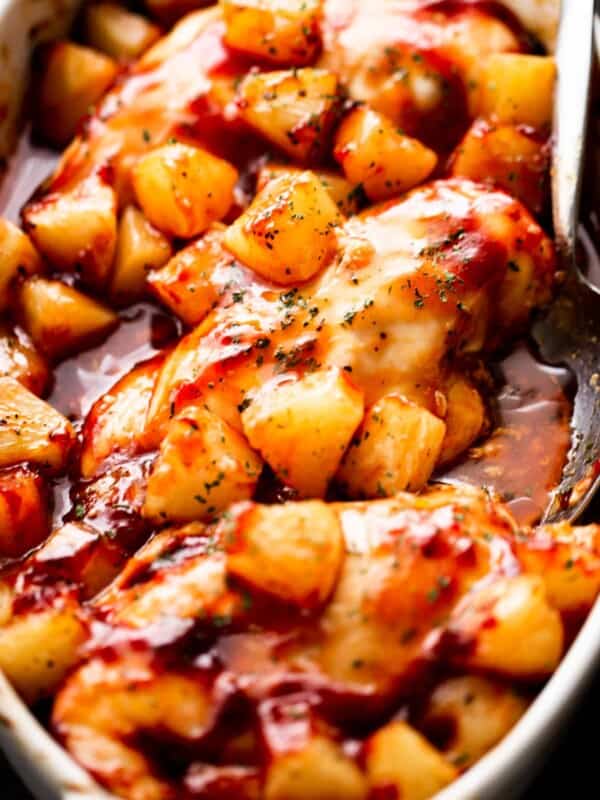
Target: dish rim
pixel 504 772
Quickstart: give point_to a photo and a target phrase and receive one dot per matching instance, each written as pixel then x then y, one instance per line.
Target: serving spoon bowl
pixel 568 332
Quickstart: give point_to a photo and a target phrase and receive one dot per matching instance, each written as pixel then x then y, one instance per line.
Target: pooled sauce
pixel 521 459
pixel 80 381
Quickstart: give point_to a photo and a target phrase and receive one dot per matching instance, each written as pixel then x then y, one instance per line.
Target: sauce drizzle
pixel 521 459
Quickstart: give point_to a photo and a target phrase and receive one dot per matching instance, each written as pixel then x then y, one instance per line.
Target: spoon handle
pixel 574 59
pixel 569 332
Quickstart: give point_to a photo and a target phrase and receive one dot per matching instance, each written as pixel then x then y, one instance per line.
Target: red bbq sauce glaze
pixel 188 97
pixel 190 94
pixel 522 459
pixel 386 45
pixel 182 102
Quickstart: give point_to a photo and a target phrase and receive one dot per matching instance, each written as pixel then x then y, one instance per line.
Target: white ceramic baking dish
pixel 44 766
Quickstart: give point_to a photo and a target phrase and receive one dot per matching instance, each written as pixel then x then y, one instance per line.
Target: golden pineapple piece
pixel 18 259
pixel 140 248
pixel 293 109
pixel 24 511
pixel 288 233
pixel 272 545
pixel 73 80
pixel 398 756
pixel 117 32
pixel 77 229
pixel 203 466
pixel 465 418
pixel 318 769
pixel 281 31
pixel 518 89
pixel 303 427
pixel 481 711
pixel 373 153
pixel 513 628
pixel 60 319
pixel 37 648
pixel 182 189
pixel 395 449
pixel 344 194
pixel 20 360
pixel 508 156
pixel 185 284
pixel 31 430
pixel 567 562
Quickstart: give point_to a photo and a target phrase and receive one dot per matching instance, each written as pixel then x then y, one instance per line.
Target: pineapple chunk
pixel 185 284
pixel 31 430
pixel 288 234
pixel 396 448
pixel 77 229
pixel 62 320
pixel 140 248
pixel 117 420
pixel 18 259
pixel 518 89
pixel 20 360
pixel 203 466
pixel 281 31
pixel 373 153
pixel 303 427
pixel 182 189
pixel 512 626
pixel 344 194
pixel 481 711
pixel 398 757
pixel 465 419
pixel 319 769
pixel 39 647
pixel 74 78
pixel 293 109
pixel 272 545
pixel 24 511
pixel 506 156
pixel 117 32
pixel 570 573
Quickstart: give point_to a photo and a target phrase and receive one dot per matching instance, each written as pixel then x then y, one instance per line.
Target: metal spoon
pixel 569 331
